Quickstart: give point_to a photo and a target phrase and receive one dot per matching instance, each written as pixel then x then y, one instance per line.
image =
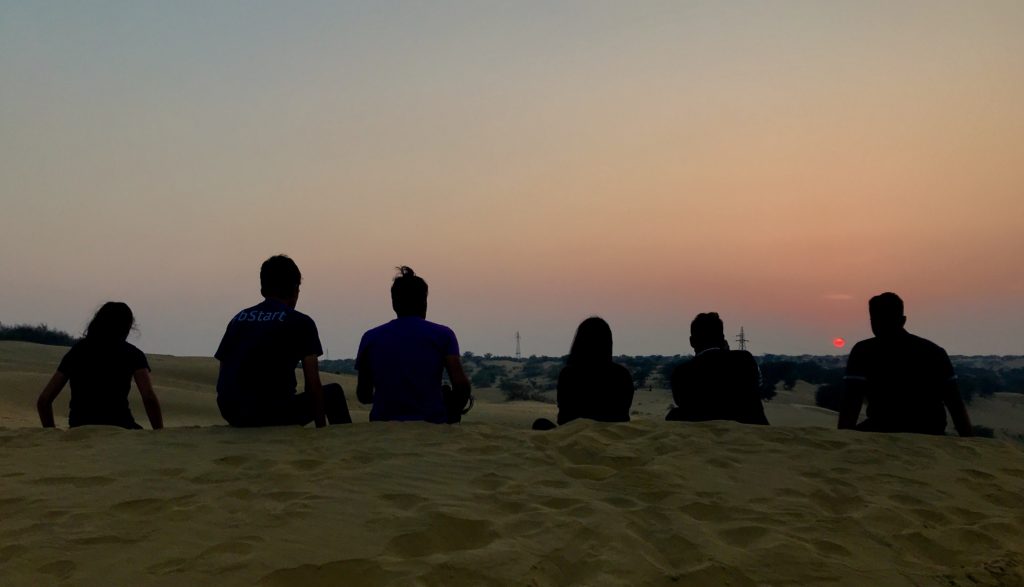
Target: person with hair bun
pixel 401 363
pixel 101 368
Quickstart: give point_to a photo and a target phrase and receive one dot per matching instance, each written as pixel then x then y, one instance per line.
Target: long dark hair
pixel 112 323
pixel 592 343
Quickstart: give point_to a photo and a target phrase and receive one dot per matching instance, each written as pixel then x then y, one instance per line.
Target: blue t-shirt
pixel 405 358
pixel 260 351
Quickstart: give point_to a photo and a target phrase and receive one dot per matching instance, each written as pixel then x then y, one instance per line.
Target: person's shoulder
pixel 300 317
pixel 129 347
pixel 742 356
pixel 619 369
pixel 864 346
pixel 438 327
pixel 926 347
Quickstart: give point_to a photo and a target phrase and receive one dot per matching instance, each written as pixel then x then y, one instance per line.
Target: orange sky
pixel 536 163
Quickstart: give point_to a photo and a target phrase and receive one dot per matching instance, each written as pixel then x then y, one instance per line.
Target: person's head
pixel 886 312
pixel 592 343
pixel 707 331
pixel 112 323
pixel 280 279
pixel 409 293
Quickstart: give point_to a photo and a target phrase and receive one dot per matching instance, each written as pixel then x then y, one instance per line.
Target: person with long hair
pixel 101 368
pixel 592 385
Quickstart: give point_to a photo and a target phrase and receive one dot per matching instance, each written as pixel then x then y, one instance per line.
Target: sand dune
pixel 490 503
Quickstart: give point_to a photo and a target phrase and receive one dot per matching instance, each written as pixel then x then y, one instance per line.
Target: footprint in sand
pixel 443 533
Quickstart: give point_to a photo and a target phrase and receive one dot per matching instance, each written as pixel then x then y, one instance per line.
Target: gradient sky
pixel 536 162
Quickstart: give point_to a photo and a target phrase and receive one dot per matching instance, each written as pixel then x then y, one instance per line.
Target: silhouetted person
pixel 591 385
pixel 259 353
pixel 401 363
pixel 717 384
pixel 100 368
pixel 907 381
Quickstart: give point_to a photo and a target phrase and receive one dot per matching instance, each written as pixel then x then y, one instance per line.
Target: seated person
pixel 717 384
pixel 401 362
pixel 591 385
pixel 908 381
pixel 258 355
pixel 101 368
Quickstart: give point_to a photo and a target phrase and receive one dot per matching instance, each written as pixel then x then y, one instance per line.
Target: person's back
pixel 601 391
pixel 592 386
pixel 260 350
pixel 101 368
pixel 905 375
pixel 407 359
pixel 401 362
pixel 100 374
pixel 717 384
pixel 907 381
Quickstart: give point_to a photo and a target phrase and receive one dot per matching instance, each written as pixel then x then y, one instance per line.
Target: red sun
pixel 838 342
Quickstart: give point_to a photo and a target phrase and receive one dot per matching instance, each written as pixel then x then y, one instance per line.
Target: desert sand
pixel 489 502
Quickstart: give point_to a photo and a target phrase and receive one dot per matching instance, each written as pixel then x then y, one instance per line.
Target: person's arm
pixel 853 399
pixel 757 415
pixel 149 400
pixel 311 375
pixel 957 410
pixel 456 374
pixel 44 405
pixel 364 382
pixel 628 391
pixel 568 410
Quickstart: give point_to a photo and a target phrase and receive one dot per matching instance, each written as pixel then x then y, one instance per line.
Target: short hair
pixel 408 293
pixel 112 323
pixel 886 306
pixel 708 327
pixel 592 343
pixel 279 277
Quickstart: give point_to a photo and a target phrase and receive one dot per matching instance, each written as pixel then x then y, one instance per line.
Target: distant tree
pixel 343 366
pixel 39 333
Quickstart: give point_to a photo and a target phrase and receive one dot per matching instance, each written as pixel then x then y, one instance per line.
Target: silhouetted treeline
pixel 536 377
pixel 39 333
pixel 343 366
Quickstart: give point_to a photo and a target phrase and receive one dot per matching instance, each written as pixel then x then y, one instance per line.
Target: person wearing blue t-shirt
pixel 401 363
pixel 258 355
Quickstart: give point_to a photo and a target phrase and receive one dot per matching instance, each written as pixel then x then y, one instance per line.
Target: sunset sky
pixel 535 162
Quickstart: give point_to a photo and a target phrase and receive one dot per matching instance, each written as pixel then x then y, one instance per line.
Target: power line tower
pixel 519 350
pixel 742 339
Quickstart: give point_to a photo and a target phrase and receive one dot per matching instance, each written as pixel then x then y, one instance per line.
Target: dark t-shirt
pixel 718 385
pixel 602 392
pixel 260 351
pixel 101 378
pixel 406 358
pixel 904 377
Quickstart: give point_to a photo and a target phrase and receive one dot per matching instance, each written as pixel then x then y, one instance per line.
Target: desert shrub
pixel 487 375
pixel 829 396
